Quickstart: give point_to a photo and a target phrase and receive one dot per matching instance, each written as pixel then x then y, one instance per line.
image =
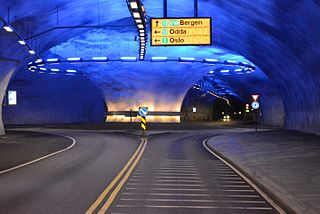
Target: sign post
pixel 255 106
pixel 180 31
pixel 143 112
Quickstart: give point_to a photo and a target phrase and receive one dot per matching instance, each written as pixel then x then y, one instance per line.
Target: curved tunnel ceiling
pixel 280 37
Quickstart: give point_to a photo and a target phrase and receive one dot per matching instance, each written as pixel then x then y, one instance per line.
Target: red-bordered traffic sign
pixel 255 97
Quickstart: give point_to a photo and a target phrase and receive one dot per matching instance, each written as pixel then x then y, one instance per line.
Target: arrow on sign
pixel 156 32
pixel 157 40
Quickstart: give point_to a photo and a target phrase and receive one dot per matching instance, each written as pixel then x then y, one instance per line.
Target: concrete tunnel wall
pixel 54 99
pixel 281 37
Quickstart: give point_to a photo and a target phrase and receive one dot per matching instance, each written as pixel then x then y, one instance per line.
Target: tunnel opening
pixel 200 106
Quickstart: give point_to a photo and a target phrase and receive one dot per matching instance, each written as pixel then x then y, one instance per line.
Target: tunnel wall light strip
pixel 159 59
pixel 187 59
pixel 71 71
pixel 224 71
pixel 100 59
pixel 211 60
pixel 52 60
pixel 128 59
pixel 7 27
pixel 139 15
pixel 36 65
pixel 73 59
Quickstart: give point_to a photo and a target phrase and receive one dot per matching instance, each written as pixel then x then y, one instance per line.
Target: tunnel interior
pixel 272 36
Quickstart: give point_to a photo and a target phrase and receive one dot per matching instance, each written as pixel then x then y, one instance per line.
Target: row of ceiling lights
pixel 152 59
pixel 21 41
pixel 212 93
pixel 39 63
pixel 138 12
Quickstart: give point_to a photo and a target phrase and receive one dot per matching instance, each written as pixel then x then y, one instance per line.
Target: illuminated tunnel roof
pixel 279 37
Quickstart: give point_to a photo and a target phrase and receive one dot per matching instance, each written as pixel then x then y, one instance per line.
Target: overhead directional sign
pixel 180 31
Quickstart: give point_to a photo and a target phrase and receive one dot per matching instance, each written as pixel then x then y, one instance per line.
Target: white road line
pixel 228 178
pixel 195 207
pixel 236 186
pixel 236 190
pixel 177 174
pixel 232 182
pixel 170 180
pixel 190 194
pixel 179 180
pixel 44 157
pixel 164 184
pixel 169 189
pixel 181 177
pixel 277 207
pixel 177 169
pixel 167 194
pixel 226 175
pixel 141 173
pixel 180 171
pixel 193 200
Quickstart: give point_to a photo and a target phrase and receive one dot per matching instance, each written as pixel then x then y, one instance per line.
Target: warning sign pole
pixel 143 124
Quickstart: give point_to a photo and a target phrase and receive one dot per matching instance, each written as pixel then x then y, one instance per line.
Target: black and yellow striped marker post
pixel 143 112
pixel 143 124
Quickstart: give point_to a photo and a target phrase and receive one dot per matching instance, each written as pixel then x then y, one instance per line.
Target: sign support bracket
pixel 195 8
pixel 165 8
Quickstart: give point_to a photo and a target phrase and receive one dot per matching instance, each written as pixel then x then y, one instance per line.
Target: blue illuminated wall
pixel 54 99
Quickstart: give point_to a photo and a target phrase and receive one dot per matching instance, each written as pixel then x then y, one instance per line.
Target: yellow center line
pixel 122 182
pixel 115 180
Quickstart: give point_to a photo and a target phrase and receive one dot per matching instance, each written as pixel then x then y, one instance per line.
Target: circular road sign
pixel 143 111
pixel 255 105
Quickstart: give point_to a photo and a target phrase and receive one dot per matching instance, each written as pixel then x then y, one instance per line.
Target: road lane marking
pixel 253 185
pixel 228 178
pixel 168 194
pixel 191 195
pixel 177 177
pixel 232 182
pixel 169 180
pixel 94 206
pixel 196 207
pixel 192 200
pixel 177 168
pixel 74 141
pixel 122 182
pixel 169 189
pixel 177 174
pixel 165 184
pixel 179 180
pixel 236 186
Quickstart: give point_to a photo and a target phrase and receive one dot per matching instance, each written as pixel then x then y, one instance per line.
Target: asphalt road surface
pixel 168 172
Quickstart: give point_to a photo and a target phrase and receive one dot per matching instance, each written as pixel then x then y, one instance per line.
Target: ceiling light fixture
pixel 8 28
